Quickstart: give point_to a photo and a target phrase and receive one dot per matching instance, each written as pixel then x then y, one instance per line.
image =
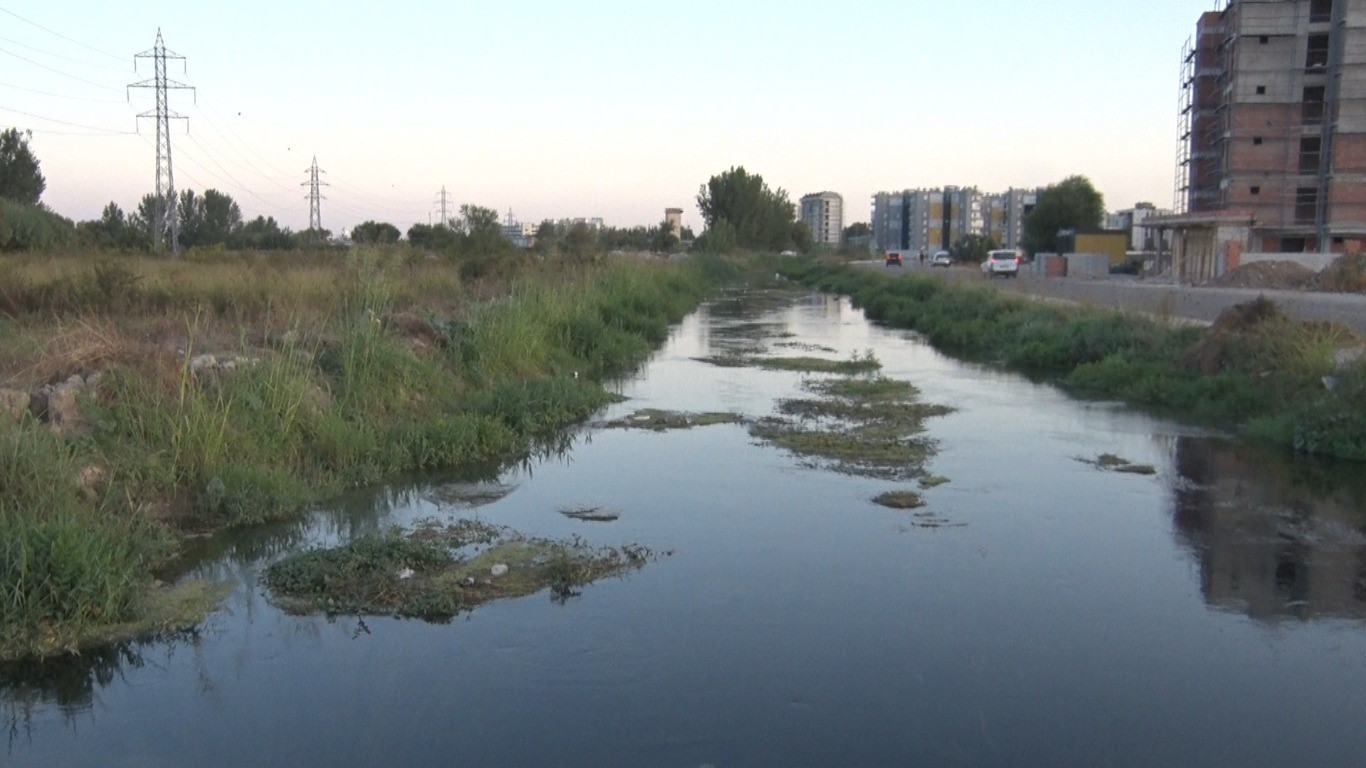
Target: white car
pixel 941 259
pixel 1004 262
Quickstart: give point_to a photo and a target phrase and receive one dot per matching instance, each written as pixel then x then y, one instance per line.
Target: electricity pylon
pixel 315 197
pixel 441 200
pixel 166 221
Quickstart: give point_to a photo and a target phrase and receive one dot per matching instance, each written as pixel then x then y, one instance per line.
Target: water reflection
pixel 1274 539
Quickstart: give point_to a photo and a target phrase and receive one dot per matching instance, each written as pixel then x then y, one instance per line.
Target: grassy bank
pixel 240 390
pixel 1256 369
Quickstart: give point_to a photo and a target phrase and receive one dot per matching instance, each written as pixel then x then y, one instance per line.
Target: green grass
pixel 344 373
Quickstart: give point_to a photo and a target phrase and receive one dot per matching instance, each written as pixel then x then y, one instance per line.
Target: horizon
pixel 596 110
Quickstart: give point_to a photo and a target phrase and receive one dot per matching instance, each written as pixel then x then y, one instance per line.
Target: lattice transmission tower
pixel 166 221
pixel 441 199
pixel 315 196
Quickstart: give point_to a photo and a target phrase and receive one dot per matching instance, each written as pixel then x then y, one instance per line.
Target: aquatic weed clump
pixel 869 426
pixel 436 572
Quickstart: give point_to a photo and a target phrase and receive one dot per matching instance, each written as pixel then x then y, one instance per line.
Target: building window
pixel 1306 204
pixel 1256 141
pixel 1256 190
pixel 1261 90
pixel 1320 11
pixel 1317 55
pixel 1312 105
pixel 1309 154
pixel 1263 40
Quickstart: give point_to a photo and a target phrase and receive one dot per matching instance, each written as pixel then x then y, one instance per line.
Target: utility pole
pixel 166 220
pixel 315 197
pixel 441 199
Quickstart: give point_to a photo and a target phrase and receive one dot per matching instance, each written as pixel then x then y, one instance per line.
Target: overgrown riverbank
pixel 148 400
pixel 1256 369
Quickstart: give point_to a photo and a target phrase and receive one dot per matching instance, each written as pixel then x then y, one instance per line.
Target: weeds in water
pixel 1254 367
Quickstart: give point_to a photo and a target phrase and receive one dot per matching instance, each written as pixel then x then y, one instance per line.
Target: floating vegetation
pixel 932 481
pixel 863 426
pixel 436 571
pixel 1112 463
pixel 932 521
pixel 865 363
pixel 900 500
pixel 660 421
pixel 805 347
pixel 469 495
pixel 591 514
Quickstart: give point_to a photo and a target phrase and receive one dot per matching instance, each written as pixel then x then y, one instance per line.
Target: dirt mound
pixel 1229 337
pixel 1282 275
pixel 1346 274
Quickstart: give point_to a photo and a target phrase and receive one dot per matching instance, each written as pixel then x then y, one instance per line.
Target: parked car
pixel 1004 262
pixel 941 259
pixel 893 258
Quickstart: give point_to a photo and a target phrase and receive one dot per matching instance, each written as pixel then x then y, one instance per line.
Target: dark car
pixel 893 259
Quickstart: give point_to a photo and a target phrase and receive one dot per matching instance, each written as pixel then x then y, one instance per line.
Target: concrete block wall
pixel 1088 266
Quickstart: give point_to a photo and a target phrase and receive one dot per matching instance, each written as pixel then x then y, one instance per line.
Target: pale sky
pixel 606 109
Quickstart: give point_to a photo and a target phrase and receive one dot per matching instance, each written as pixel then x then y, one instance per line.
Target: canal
pixel 1040 609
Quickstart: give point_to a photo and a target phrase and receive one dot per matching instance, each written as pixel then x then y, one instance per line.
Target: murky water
pixel 1209 615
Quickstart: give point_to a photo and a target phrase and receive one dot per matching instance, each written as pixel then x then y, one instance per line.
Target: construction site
pixel 1271 149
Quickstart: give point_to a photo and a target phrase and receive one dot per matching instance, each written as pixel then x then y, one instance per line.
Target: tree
pixel 378 232
pixel 1072 203
pixel 580 242
pixel 190 209
pixel 20 179
pixel 221 217
pixel 664 238
pixel 973 248
pixel 113 230
pixel 262 234
pixel 756 216
pixel 857 229
pixel 436 237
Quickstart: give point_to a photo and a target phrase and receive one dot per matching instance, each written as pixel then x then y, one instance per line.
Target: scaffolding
pixel 1272 119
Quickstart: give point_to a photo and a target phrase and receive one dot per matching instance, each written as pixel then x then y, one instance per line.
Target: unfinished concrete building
pixel 1273 121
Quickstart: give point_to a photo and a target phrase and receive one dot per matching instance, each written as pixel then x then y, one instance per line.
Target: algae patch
pixel 865 363
pixel 872 427
pixel 438 571
pixel 900 500
pixel 661 421
pixel 591 514
pixel 1112 463
pixel 162 611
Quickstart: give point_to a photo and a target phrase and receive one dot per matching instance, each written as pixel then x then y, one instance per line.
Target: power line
pixel 60 95
pixel 64 122
pixel 57 71
pixel 59 34
pixel 60 56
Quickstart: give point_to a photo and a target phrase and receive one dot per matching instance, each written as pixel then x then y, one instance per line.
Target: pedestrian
pixel 922 257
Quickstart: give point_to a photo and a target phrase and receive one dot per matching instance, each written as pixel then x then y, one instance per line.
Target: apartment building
pixel 1273 122
pixel 1141 236
pixel 1003 215
pixel 925 219
pixel 823 214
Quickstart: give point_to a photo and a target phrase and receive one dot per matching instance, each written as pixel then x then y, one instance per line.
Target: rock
pixel 14 404
pixel 63 412
pixel 92 479
pixel 499 569
pixel 405 574
pixel 468 582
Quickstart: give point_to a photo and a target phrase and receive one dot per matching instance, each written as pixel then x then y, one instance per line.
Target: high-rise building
pixel 673 219
pixel 1273 121
pixel 925 219
pixel 1003 215
pixel 823 214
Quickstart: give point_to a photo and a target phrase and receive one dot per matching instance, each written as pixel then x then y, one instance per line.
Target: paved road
pixel 1200 304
